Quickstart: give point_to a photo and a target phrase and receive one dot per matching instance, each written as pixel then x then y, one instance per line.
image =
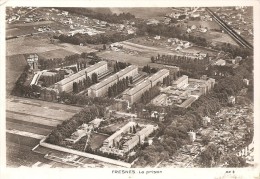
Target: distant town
pixel 129 87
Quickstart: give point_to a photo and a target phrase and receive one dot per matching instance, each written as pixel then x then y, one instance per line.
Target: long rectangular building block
pixel 101 88
pixel 135 93
pixel 67 83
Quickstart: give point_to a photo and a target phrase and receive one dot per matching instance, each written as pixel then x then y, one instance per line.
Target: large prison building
pixel 135 93
pixel 101 88
pixel 67 83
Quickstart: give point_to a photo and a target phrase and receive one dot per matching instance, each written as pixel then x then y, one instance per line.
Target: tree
pixel 75 87
pixel 94 78
pixel 131 130
pixel 131 80
pixel 152 59
pixel 134 129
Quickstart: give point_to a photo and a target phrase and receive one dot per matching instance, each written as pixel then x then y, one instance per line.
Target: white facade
pixel 101 88
pixel 180 82
pixel 67 83
pixel 135 93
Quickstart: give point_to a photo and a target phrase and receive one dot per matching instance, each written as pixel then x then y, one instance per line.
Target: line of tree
pixel 84 83
pixel 95 39
pixel 66 128
pixel 148 95
pixel 118 87
pixel 58 62
pixel 19 88
pixel 192 67
pixel 82 100
pixel 119 66
pixel 169 31
pixel 108 17
pixel 50 80
pixel 149 70
pixel 68 60
pixel 81 65
pixel 167 81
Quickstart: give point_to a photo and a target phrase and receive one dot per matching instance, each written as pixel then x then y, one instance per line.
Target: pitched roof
pixel 81 73
pixel 113 77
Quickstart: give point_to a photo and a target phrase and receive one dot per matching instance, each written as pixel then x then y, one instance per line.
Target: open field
pixel 162 46
pixel 36 44
pixel 40 23
pixel 144 13
pixel 24 29
pixel 24 45
pixel 76 48
pixel 222 38
pixel 14 67
pixel 123 57
pixel 142 51
pixel 13 30
pixel 59 53
pixel 209 24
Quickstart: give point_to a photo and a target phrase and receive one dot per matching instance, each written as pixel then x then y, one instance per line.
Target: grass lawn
pixel 116 126
pixel 97 140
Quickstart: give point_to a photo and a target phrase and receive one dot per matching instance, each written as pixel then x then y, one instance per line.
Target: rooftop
pixel 113 77
pixel 81 73
pixel 146 82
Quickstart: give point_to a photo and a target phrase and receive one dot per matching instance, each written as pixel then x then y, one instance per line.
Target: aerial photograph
pixel 129 87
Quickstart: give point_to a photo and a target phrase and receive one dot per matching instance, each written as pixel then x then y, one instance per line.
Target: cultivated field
pixel 14 67
pixel 32 116
pixel 39 114
pixel 28 128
